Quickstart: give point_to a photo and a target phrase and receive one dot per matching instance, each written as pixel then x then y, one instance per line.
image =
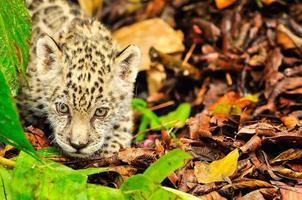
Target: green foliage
pixel 167 164
pixel 36 179
pixel 147 185
pixel 174 119
pixel 5 184
pixel 15 33
pixel 33 179
pixel 177 117
pixel 10 128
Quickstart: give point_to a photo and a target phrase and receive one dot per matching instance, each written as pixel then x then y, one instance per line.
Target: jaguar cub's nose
pixel 78 145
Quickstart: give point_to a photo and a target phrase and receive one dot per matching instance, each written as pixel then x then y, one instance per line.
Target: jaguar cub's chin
pixel 85 152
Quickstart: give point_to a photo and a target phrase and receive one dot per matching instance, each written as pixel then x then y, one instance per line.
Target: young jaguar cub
pixel 79 80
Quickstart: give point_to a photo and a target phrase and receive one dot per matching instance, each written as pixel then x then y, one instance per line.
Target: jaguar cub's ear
pixel 48 54
pixel 128 61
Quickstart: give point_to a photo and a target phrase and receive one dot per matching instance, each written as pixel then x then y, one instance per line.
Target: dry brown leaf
pixel 150 33
pixel 199 126
pixel 284 40
pixel 252 145
pixel 295 166
pixel 139 157
pixel 156 76
pixel 212 196
pixel 290 194
pixel 290 154
pixel 124 170
pixel 246 183
pixel 287 173
pixel 37 138
pixel 255 195
pixel 289 39
pixel 290 121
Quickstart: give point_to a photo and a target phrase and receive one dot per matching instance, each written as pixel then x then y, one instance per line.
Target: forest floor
pixel 223 81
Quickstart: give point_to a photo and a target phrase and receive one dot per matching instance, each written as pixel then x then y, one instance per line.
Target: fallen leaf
pixel 288 173
pixel 252 145
pixel 246 183
pixel 132 155
pixel 146 34
pixel 290 194
pixel 156 76
pixel 221 4
pixel 255 195
pixel 90 6
pixel 290 154
pixel 37 138
pixel 290 121
pixel 212 196
pixel 217 170
pixel 199 126
pixel 268 2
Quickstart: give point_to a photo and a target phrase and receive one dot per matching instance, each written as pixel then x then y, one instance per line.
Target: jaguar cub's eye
pixel 62 108
pixel 101 112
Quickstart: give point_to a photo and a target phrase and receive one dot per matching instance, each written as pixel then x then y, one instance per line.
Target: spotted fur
pixel 76 74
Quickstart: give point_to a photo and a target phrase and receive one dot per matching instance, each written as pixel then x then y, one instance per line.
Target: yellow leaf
pixel 217 170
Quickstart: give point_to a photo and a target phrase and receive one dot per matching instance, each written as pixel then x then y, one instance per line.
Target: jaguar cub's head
pixel 89 84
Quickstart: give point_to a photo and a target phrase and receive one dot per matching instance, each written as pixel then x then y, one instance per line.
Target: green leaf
pixel 15 34
pixel 33 179
pixel 5 184
pixel 138 103
pixel 176 118
pixel 138 187
pixel 11 131
pixel 182 195
pixel 161 193
pixel 167 164
pixel 96 192
pixel 36 180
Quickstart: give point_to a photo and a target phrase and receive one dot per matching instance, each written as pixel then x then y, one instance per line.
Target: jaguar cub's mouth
pixel 79 152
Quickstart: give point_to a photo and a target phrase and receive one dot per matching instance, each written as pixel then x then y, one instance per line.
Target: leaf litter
pixel 233 75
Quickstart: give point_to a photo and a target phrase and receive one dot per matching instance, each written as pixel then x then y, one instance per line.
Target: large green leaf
pixel 138 187
pixel 34 179
pixel 167 164
pixel 15 33
pixel 10 128
pixel 45 179
pixel 5 184
pixel 96 192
